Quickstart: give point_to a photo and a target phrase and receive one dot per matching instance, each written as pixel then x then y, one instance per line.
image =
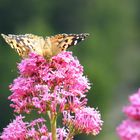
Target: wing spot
pixel 75 42
pixel 66 40
pixel 63 47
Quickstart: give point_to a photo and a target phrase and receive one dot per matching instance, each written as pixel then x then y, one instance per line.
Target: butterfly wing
pixel 24 44
pixel 61 42
pixel 49 47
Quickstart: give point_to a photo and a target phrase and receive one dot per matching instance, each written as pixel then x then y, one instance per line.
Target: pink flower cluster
pixel 44 86
pixel 133 110
pixel 15 130
pixel 86 120
pixel 130 128
pixel 56 86
pixel 35 130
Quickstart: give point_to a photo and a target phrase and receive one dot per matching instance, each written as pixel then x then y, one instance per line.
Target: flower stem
pixel 53 125
pixel 70 136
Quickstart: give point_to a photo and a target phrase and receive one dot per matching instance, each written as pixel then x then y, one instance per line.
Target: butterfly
pixel 46 47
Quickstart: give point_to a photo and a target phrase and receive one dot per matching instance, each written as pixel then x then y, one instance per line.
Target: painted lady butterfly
pixel 46 47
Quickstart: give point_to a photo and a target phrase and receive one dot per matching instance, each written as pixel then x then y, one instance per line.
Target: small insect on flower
pixel 47 47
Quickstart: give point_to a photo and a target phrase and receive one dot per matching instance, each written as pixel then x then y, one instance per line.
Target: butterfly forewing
pixel 61 42
pixel 24 44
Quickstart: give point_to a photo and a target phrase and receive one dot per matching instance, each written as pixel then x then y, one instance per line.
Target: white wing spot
pixel 75 42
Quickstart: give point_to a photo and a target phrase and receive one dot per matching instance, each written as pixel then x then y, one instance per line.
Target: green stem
pixel 70 134
pixel 53 125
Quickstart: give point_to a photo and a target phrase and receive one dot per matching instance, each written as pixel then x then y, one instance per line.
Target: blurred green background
pixel 110 55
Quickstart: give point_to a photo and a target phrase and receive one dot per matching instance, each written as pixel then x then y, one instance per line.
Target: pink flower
pixel 86 120
pixel 16 130
pixel 19 130
pixel 133 110
pixel 135 98
pixel 37 130
pixel 51 88
pixel 129 130
pixel 62 133
pixel 44 85
pixel 29 67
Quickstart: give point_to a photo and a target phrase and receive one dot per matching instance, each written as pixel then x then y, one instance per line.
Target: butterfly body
pixel 47 47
